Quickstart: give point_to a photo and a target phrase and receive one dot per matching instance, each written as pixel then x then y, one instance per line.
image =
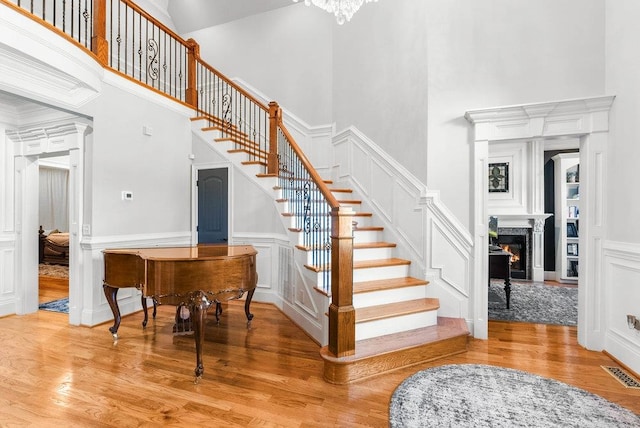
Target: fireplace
pixel 517 242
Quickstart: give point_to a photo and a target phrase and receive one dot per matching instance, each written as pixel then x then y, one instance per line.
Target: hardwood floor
pixel 54 374
pixel 52 288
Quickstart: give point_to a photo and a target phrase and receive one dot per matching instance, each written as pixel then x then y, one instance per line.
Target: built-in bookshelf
pixel 567 215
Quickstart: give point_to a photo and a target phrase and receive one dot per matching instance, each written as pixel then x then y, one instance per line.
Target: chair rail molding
pixel 584 118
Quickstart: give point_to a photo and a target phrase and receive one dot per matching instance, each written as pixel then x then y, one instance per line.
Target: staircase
pixel 397 325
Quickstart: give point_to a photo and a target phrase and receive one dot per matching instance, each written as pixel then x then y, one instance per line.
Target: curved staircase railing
pixel 129 41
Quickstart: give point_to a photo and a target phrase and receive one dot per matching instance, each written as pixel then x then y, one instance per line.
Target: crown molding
pixel 568 117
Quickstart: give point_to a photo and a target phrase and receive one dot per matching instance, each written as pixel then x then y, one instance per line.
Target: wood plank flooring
pixel 54 374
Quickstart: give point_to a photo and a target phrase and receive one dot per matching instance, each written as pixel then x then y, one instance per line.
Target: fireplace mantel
pixel 534 222
pixel 520 220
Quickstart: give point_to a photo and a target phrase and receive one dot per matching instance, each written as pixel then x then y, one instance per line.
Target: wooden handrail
pixel 157 23
pixel 322 186
pixel 341 313
pixel 232 83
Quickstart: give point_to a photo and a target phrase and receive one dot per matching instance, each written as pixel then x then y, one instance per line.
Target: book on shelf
pixel 573 211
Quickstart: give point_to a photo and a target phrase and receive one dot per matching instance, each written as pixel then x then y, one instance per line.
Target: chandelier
pixel 342 9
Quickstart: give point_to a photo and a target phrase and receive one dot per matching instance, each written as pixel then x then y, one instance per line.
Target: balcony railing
pixel 129 41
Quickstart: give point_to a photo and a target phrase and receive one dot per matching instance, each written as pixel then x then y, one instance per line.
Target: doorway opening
pixel 53 234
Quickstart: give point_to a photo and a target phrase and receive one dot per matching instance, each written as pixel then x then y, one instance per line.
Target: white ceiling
pixel 192 15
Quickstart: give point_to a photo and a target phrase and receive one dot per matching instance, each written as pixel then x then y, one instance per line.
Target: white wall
pixel 622 249
pixel 622 80
pixel 285 53
pixel 156 168
pixel 499 52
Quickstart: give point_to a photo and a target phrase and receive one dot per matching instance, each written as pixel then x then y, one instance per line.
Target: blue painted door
pixel 213 206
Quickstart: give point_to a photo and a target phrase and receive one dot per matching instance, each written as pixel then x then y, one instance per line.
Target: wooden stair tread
pixel 447 328
pixel 368 229
pixel 386 284
pixel 358 214
pixel 363 264
pixel 362 246
pixel 380 244
pixel 253 163
pixel 387 310
pixel 366 264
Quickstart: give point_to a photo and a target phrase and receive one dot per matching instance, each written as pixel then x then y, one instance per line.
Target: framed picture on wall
pixel 499 177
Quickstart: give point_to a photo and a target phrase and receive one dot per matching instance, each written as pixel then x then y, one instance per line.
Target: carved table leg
pixel 247 304
pixel 198 310
pixel 507 290
pixel 144 310
pixel 111 294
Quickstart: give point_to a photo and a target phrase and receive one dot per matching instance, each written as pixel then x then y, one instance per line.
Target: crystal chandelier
pixel 342 9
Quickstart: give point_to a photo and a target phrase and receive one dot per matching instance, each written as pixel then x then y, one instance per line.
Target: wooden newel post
pixel 342 315
pixel 275 115
pixel 193 53
pixel 99 43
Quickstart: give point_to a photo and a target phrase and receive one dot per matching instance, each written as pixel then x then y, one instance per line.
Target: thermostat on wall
pixel 127 195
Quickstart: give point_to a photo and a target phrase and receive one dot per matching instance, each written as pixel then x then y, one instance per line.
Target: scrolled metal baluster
pixel 152 56
pixel 226 109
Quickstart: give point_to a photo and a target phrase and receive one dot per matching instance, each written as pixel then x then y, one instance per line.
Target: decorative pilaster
pixel 537 267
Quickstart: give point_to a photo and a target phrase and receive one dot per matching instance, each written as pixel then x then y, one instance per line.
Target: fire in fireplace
pixel 516 241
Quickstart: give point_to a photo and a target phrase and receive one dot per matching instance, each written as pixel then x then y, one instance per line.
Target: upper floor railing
pixel 129 41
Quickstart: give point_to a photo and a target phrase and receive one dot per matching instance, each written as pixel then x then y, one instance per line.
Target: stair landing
pixel 383 354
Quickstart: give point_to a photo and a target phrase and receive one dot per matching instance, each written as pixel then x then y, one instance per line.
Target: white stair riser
pixel 364 236
pixel 397 324
pixel 319 256
pixel 385 272
pixel 378 253
pixel 373 298
pixel 225 146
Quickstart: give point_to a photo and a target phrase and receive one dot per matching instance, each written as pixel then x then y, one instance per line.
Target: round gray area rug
pixel 469 395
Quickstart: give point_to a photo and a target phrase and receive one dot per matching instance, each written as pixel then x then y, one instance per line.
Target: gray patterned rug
pixel 61 305
pixel 534 302
pixel 470 395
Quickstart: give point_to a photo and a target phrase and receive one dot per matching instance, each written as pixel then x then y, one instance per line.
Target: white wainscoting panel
pixel 422 227
pixel 7 278
pixel 622 296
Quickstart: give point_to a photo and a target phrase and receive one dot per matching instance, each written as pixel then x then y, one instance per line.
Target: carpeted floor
pixel 56 271
pixel 61 305
pixel 534 302
pixel 470 395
